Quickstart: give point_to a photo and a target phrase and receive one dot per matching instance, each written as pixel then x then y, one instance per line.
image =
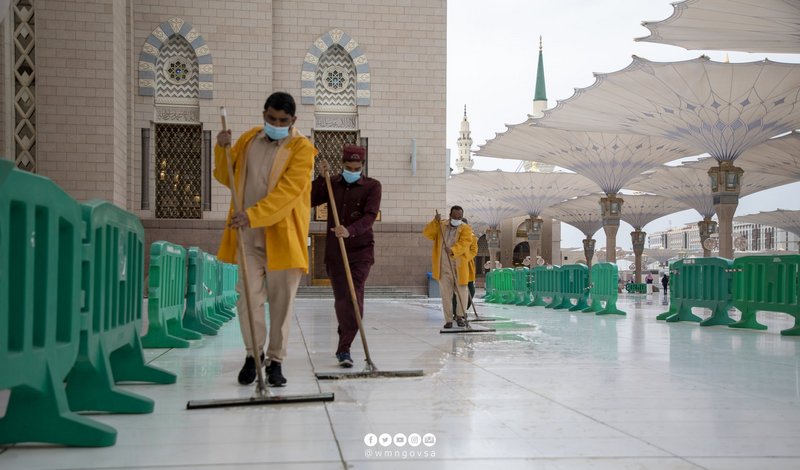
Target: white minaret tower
pixel 464 160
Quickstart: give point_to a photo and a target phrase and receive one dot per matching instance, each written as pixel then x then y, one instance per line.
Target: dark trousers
pixel 345 314
pixel 471 287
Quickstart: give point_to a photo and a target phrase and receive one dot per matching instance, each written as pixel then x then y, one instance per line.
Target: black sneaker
pixel 448 325
pixel 460 322
pixel 248 373
pixel 274 375
pixel 344 360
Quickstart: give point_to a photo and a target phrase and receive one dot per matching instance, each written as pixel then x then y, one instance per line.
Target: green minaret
pixel 541 93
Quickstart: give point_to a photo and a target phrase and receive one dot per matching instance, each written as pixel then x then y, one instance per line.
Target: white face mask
pixel 455 223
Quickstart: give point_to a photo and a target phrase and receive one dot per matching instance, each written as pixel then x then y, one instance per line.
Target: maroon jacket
pixel 357 204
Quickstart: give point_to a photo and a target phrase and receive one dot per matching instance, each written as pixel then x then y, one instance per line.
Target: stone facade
pixel 93 55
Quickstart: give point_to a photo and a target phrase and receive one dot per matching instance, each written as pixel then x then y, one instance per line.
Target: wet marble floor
pixel 548 390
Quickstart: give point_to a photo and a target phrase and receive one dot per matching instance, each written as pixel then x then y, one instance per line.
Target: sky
pixel 492 53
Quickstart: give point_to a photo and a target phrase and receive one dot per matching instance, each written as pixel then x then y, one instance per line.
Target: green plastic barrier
pixel 492 283
pixel 211 284
pixel 636 288
pixel 520 284
pixel 537 284
pixel 111 316
pixel 574 285
pixel 40 300
pixel 197 297
pixel 701 283
pixel 230 275
pixel 502 285
pixel 605 277
pixel 219 293
pixel 166 302
pixel 551 285
pixel 769 283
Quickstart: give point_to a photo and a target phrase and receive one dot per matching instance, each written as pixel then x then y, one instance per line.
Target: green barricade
pixel 230 275
pixel 540 273
pixel 520 284
pixel 503 286
pixel 166 299
pixel 702 283
pixel 769 283
pixel 111 316
pixel 197 296
pixel 492 286
pixel 605 277
pixel 220 306
pixel 574 285
pixel 632 288
pixel 489 287
pixel 211 285
pixel 40 240
pixel 551 286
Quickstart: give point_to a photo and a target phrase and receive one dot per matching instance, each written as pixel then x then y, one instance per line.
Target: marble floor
pixel 548 390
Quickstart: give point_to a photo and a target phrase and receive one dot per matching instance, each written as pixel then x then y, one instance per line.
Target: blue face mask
pixel 351 176
pixel 275 133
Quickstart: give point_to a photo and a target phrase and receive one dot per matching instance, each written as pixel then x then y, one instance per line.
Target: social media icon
pixel 385 439
pixel 370 439
pixel 429 440
pixel 414 440
pixel 399 439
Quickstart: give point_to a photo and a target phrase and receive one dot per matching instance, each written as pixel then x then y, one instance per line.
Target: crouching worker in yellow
pixel 272 172
pixel 451 253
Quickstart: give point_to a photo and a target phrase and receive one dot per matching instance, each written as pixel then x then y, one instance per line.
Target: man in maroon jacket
pixel 358 199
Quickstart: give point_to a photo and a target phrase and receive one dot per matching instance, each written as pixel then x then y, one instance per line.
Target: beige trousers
pixel 277 287
pixel 447 282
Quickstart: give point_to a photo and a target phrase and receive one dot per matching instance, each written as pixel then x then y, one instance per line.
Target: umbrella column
pixel 534 226
pixel 707 227
pixel 588 251
pixel 726 182
pixel 637 240
pixel 493 241
pixel 611 209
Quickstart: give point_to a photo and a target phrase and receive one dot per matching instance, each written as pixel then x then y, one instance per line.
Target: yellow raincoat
pixel 285 212
pixel 461 248
pixel 473 252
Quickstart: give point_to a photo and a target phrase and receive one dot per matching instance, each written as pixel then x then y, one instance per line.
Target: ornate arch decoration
pixel 335 36
pixel 152 49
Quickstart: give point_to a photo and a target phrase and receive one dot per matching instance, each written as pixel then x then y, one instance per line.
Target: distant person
pixel 473 252
pixel 450 259
pixel 665 282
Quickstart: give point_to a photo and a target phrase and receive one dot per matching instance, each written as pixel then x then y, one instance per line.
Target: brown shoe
pixel 460 322
pixel 448 325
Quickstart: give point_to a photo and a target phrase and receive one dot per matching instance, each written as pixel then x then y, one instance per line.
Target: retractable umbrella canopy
pixel 716 107
pixel 777 156
pixel 528 192
pixel 582 213
pixel 769 26
pixel 788 220
pixel 611 160
pixel 641 209
pixel 689 184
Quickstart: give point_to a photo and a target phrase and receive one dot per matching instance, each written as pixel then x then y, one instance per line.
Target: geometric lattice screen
pixel 178 171
pixel 329 144
pixel 24 99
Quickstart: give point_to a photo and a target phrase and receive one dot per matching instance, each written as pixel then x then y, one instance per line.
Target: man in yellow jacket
pixel 272 172
pixel 450 256
pixel 473 252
